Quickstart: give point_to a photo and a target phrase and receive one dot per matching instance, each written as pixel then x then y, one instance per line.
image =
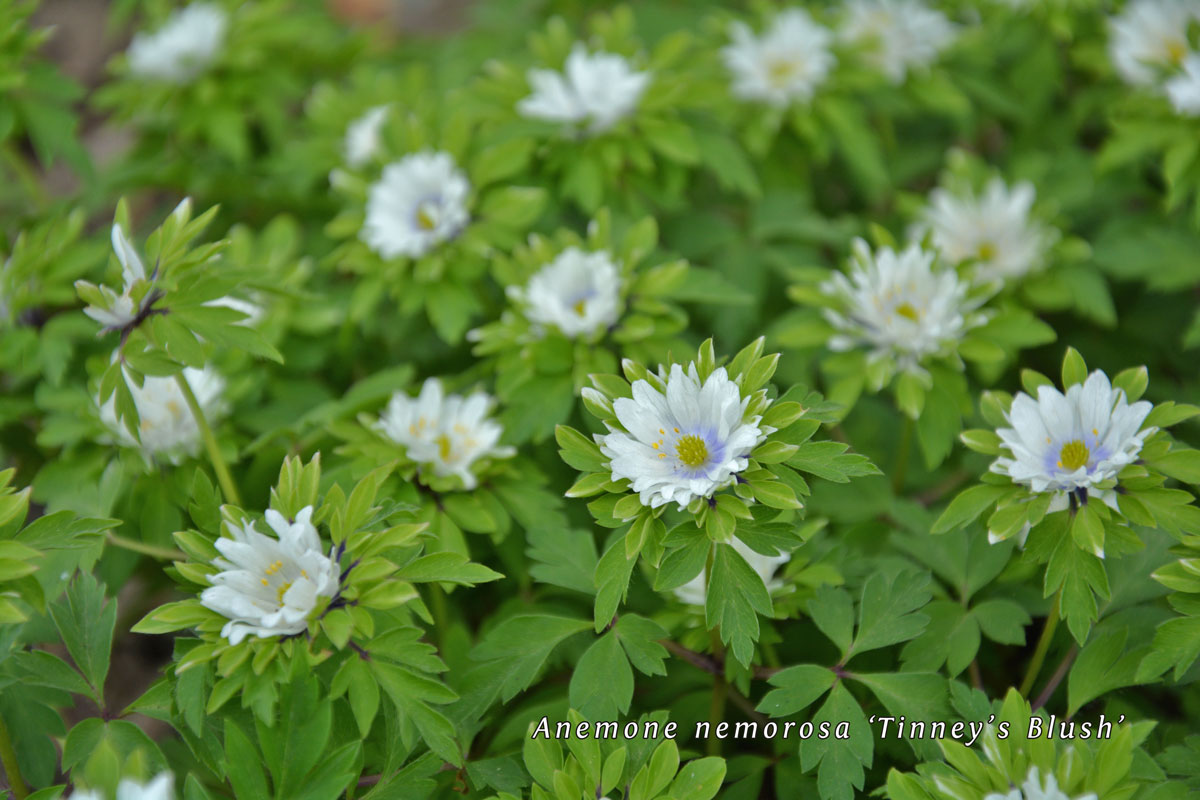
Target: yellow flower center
pixel 1176 51
pixel 283 587
pixel 425 219
pixel 443 443
pixel 987 251
pixel 691 450
pixel 1074 454
pixel 781 71
pixel 907 311
pixel 580 306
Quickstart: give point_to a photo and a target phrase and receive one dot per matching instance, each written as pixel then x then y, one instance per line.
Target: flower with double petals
pixel 685 442
pixel 579 293
pixel 447 433
pixel 182 48
pixel 270 585
pixel 782 66
pixel 1149 37
pixel 418 202
pixel 897 36
pixel 595 90
pixel 167 429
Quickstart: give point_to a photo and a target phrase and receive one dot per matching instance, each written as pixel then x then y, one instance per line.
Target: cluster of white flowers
pixel 579 293
pixel 684 443
pixel 1149 47
pixel 268 585
pixel 182 48
pixel 695 593
pixel 994 230
pixel 167 429
pixel 162 787
pixel 897 36
pixel 447 433
pixel 418 202
pixel 786 64
pixel 593 91
pixel 792 58
pixel 1034 789
pixel 1071 444
pixel 898 305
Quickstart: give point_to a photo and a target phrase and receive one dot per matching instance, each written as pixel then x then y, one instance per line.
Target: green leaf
pixel 1103 665
pixel 640 636
pixel 968 505
pixel 796 689
pixel 446 567
pixel 86 621
pixel 839 761
pixel 832 611
pixel 1074 370
pixel 245 768
pixel 522 645
pixel 888 612
pixel 683 564
pixel 699 779
pixel 736 595
pixel 602 684
pixel 612 581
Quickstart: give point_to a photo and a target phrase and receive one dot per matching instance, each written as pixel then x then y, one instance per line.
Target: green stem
pixel 8 757
pixel 161 553
pixel 720 690
pixel 210 443
pixel 1043 646
pixel 900 467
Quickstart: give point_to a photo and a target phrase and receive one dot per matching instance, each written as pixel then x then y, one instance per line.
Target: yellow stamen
pixel 1176 51
pixel 425 220
pixel 692 450
pixel 986 251
pixel 282 591
pixel 781 71
pixel 265 582
pixel 1095 432
pixel 907 311
pixel 579 307
pixel 677 430
pixel 443 443
pixel 655 445
pixel 1074 454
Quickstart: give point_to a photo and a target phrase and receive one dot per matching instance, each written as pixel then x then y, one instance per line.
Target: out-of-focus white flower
pixel 599 89
pixel 1034 789
pixel 253 311
pixel 418 202
pixel 1149 37
pixel 361 142
pixel 897 35
pixel 785 64
pixel 167 428
pixel 448 433
pixel 162 787
pixel 578 292
pixel 685 443
pixel 994 228
pixel 182 48
pixel 898 305
pixel 1183 90
pixel 268 585
pixel 121 309
pixel 694 593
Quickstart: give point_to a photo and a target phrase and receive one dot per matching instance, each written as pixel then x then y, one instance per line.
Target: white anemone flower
pixel 579 293
pixel 269 585
pixel 1072 443
pixel 167 428
pixel 121 309
pixel 694 593
pixel 1035 789
pixel 418 202
pixel 162 787
pixel 362 139
pixel 684 443
pixel 1149 37
pixel 897 35
pixel 447 433
pixel 785 64
pixel 598 89
pixel 994 228
pixel 1183 90
pixel 896 304
pixel 182 48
